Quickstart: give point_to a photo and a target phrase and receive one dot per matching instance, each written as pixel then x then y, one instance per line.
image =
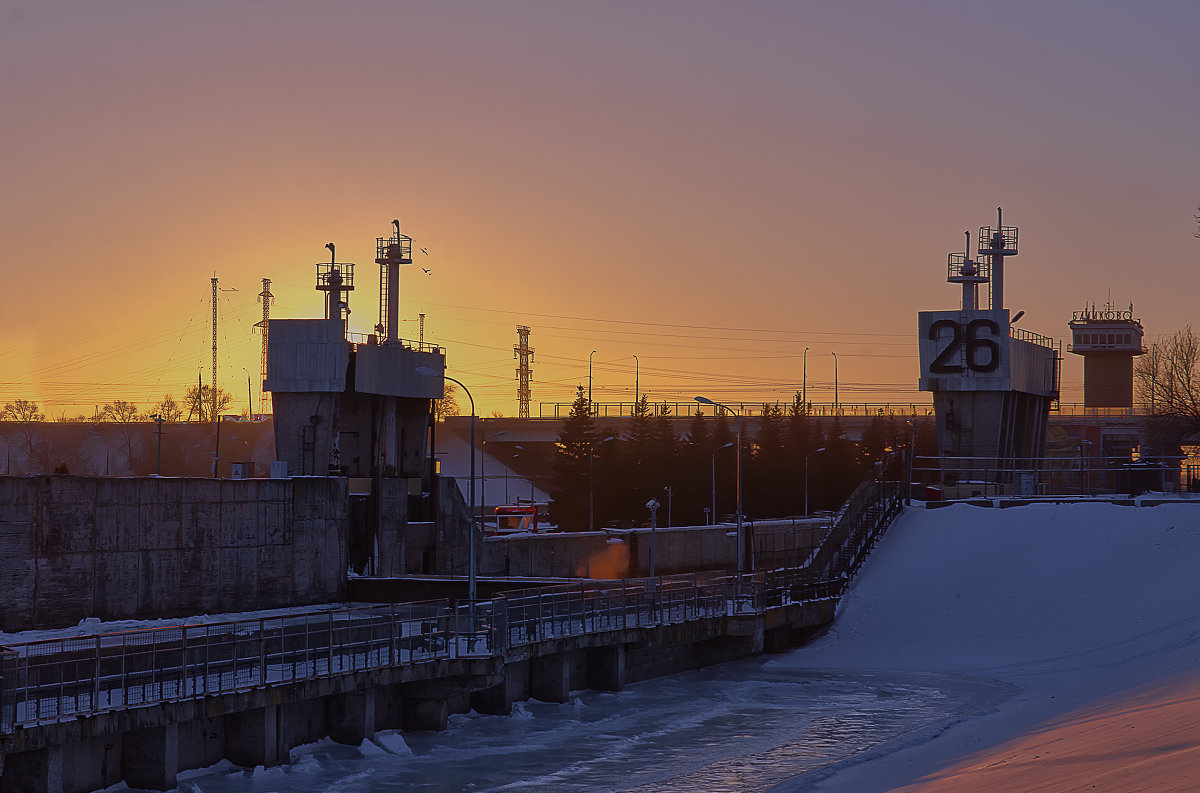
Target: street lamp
pixel 741 551
pixel 471 563
pixel 482 474
pixel 810 454
pixel 835 391
pixel 106 448
pixel 714 480
pixel 592 481
pixel 804 382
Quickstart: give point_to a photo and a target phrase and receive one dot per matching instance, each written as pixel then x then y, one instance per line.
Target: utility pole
pixel 158 464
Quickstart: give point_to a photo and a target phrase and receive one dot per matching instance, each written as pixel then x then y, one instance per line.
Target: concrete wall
pixel 542 555
pixel 74 547
pixel 679 549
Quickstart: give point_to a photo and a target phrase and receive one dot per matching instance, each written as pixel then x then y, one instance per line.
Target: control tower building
pixel 1108 339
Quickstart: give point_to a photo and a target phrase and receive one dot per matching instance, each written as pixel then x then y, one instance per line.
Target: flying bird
pixel 427 271
pixel 424 251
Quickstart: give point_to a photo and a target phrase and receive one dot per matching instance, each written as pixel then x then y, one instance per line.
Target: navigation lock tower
pixel 389 255
pixel 348 405
pixel 992 384
pixel 997 244
pixel 1108 339
pixel 334 279
pixel 970 274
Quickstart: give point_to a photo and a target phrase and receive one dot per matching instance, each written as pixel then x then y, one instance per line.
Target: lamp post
pixel 714 480
pixel 482 473
pixel 8 456
pixel 741 551
pixel 592 481
pixel 835 391
pixel 591 405
pixel 810 454
pixel 471 563
pixel 804 382
pixel 652 505
pixel 106 448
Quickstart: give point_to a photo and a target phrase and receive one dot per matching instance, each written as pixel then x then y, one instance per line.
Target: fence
pixel 966 477
pixel 55 679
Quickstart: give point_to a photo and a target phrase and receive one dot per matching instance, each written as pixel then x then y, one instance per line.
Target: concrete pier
pixel 251 737
pixel 351 716
pixel 150 757
pixel 606 667
pixel 550 677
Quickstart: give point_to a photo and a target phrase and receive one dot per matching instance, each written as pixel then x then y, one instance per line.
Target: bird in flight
pixel 427 271
pixel 424 251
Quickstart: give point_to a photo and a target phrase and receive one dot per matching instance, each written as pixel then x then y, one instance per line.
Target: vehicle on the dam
pixel 512 519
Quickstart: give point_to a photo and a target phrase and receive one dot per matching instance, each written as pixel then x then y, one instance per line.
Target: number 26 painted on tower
pixel 967 337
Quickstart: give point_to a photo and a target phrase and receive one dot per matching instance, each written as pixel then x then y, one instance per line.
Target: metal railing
pixel 1080 475
pixel 685 410
pixel 55 679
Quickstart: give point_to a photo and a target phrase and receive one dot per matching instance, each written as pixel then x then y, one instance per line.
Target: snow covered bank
pixel 1072 603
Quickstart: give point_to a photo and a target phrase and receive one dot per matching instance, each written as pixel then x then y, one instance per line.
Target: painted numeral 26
pixel 968 337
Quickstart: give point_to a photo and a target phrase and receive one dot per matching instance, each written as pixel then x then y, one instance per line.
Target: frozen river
pixel 743 726
pixel 980 649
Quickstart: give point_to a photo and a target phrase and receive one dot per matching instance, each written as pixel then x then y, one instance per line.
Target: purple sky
pixel 748 179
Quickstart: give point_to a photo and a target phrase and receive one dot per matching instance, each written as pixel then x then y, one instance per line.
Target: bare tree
pixel 27 415
pixel 125 415
pixel 447 405
pixel 199 401
pixel 1167 380
pixel 120 412
pixel 168 410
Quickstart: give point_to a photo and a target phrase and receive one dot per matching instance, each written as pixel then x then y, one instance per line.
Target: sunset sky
pixel 712 186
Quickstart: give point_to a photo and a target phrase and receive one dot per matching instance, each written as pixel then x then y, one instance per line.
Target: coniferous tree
pixel 726 465
pixel 803 437
pixel 664 464
pixel 569 491
pixel 768 479
pixel 692 494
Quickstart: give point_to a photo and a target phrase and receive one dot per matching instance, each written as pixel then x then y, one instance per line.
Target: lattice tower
pixel 524 355
pixel 265 297
pixel 214 349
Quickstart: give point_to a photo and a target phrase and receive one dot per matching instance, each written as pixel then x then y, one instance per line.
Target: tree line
pixel 196 405
pixel 606 481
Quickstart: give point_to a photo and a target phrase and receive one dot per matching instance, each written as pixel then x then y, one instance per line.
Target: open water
pixel 749 725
